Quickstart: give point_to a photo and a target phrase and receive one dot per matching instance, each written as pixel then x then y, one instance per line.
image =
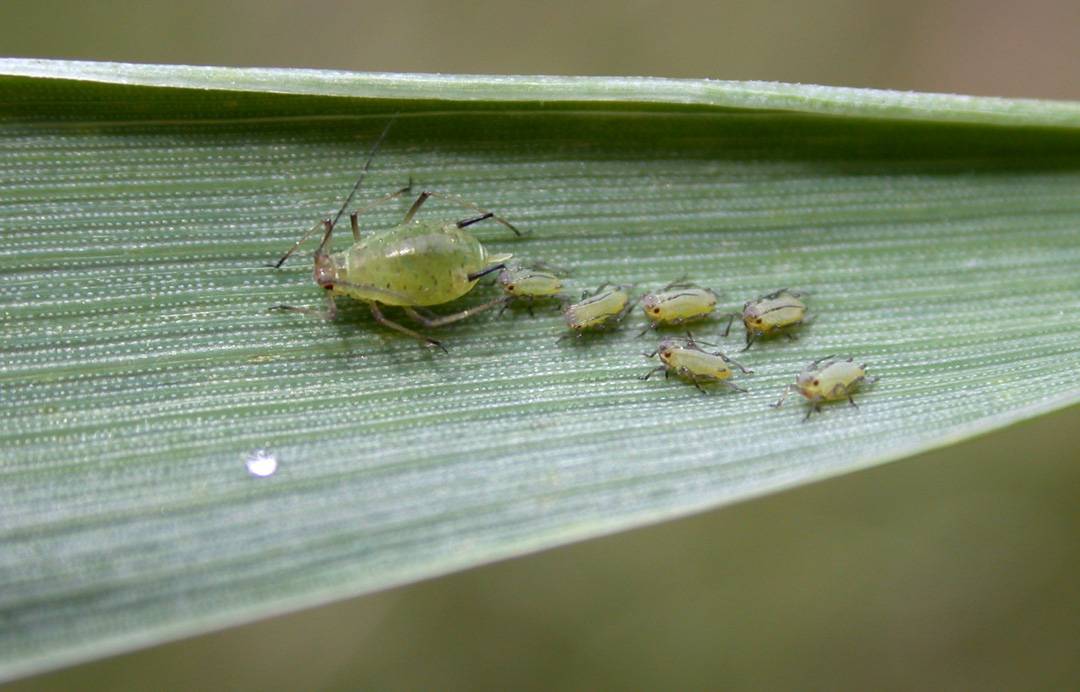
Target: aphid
pixel 677 303
pixel 775 313
pixel 827 379
pixel 415 264
pixel 601 309
pixel 529 284
pixel 687 360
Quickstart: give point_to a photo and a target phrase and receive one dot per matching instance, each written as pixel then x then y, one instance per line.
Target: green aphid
pixel 677 303
pixel 529 284
pixel 416 264
pixel 604 308
pixel 827 379
pixel 686 359
pixel 776 313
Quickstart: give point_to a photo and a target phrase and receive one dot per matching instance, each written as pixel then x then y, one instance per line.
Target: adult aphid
pixel 827 379
pixel 529 284
pixel 416 264
pixel 776 313
pixel 606 307
pixel 689 361
pixel 677 303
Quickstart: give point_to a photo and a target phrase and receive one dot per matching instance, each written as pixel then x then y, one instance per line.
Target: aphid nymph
pixel 416 264
pixel 607 306
pixel 776 313
pixel 529 284
pixel 827 379
pixel 677 303
pixel 689 361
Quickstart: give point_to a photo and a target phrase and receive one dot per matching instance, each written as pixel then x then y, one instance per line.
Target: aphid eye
pixel 816 382
pixel 510 287
pixel 656 311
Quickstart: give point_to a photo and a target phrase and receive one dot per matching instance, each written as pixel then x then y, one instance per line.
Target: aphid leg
pixel 651 355
pixel 736 363
pixel 457 200
pixel 750 337
pixel 652 372
pixel 694 379
pixel 694 342
pixel 354 223
pixel 731 320
pixel 651 325
pixel 734 386
pixel 790 336
pixel 529 306
pixel 381 319
pixel 354 218
pixel 447 319
pixel 328 314
pixel 840 390
pixel 810 409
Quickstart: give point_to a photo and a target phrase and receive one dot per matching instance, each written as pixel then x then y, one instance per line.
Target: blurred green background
pixel 956 569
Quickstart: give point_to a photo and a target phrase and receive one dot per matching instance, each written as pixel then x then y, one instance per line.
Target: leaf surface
pixel 937 238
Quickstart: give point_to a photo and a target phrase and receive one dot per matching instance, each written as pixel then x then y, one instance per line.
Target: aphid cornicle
pixel 689 361
pixel 677 303
pixel 529 284
pixel 827 379
pixel 416 264
pixel 775 313
pixel 605 307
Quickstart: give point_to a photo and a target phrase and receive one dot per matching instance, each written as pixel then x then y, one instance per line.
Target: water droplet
pixel 261 463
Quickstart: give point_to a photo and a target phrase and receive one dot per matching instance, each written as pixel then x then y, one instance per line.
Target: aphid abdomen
pixel 775 313
pixel 427 264
pixel 838 379
pixel 679 306
pixel 538 285
pixel 703 366
pixel 597 310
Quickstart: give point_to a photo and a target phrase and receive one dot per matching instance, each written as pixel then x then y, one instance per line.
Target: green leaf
pixel 937 237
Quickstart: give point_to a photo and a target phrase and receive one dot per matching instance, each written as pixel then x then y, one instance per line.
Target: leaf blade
pixel 141 366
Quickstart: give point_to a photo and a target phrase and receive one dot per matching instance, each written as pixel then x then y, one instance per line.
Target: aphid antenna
pixel 352 193
pixel 678 283
pixel 328 225
pixel 737 364
pixel 783 397
pixel 363 171
pixel 541 265
pixel 692 341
